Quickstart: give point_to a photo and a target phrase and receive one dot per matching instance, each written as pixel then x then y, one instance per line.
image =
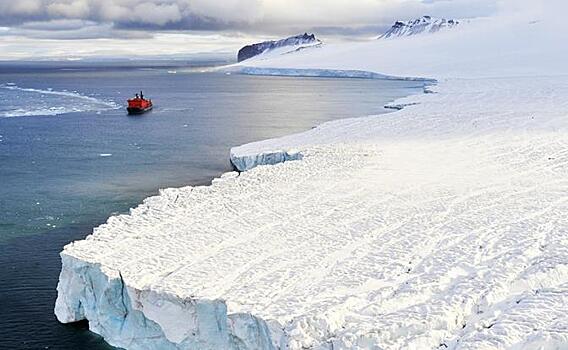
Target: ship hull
pixel 137 110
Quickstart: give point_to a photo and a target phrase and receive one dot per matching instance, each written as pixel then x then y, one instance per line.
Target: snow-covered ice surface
pixel 442 225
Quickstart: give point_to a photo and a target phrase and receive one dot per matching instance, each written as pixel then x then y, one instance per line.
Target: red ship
pixel 139 104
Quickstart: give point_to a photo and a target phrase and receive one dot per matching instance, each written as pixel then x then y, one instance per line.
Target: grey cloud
pixel 144 12
pixel 252 16
pixel 57 25
pixel 352 31
pixel 71 30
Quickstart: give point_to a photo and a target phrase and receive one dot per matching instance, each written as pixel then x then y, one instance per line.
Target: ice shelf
pixel 442 224
pixel 439 226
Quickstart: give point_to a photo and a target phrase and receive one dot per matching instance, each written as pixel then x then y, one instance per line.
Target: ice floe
pixel 21 102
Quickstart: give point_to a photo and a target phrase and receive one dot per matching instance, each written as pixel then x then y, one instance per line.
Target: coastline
pixel 231 319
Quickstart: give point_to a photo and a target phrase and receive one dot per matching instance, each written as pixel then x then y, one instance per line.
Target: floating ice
pixel 18 102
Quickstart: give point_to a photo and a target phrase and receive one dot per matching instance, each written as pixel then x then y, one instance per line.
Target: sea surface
pixel 70 157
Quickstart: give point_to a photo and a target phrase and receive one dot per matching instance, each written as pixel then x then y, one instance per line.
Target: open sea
pixel 70 157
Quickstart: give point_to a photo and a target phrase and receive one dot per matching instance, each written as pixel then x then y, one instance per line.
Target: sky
pixel 73 29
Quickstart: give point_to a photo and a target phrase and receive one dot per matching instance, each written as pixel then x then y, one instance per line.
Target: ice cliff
pixel 134 318
pixel 244 162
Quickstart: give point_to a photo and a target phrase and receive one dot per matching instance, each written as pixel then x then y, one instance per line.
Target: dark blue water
pixel 62 174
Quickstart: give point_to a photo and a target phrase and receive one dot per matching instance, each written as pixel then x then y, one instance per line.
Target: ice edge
pixel 244 162
pixel 318 73
pixel 146 319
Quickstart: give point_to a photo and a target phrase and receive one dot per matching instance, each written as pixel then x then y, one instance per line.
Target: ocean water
pixel 70 157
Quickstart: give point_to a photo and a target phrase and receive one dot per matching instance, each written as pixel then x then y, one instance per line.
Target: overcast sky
pixel 77 28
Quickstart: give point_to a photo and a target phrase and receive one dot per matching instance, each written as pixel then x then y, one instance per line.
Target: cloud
pixel 25 24
pixel 151 12
pixel 158 14
pixel 252 15
pixel 100 43
pixel 68 9
pixel 73 29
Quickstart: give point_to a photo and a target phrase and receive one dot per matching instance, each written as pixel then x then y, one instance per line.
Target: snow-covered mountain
pixel 424 24
pixel 289 44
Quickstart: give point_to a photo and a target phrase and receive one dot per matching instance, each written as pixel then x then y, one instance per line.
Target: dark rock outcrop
pixel 425 24
pixel 259 48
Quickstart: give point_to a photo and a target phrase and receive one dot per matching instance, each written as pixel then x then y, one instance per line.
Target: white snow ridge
pixel 424 24
pixel 439 226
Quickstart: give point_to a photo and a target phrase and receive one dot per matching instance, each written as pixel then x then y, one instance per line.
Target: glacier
pixel 439 226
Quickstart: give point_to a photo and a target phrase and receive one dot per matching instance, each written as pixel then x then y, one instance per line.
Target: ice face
pixel 244 162
pixel 147 319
